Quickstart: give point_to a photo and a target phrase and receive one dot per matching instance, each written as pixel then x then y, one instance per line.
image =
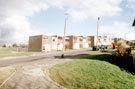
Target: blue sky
pixel 51 21
pixel 20 19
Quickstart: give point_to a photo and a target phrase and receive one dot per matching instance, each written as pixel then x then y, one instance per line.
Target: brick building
pixel 55 43
pixel 102 40
pixel 74 42
pixel 39 43
pixel 83 42
pixel 47 43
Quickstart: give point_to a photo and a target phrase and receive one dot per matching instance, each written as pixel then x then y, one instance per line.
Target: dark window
pixel 45 38
pixel 54 40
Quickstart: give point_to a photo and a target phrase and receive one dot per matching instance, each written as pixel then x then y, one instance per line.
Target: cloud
pixel 131 4
pixel 15 26
pixel 118 29
pixel 82 9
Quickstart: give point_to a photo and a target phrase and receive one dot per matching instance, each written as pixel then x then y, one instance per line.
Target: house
pixel 80 42
pixel 83 41
pixel 89 39
pixel 47 43
pixel 39 43
pixel 74 42
pixel 67 43
pixel 60 43
pixel 54 43
pixel 102 40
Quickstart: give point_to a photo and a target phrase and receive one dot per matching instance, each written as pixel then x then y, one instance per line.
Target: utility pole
pixel 97 31
pixel 133 23
pixel 62 56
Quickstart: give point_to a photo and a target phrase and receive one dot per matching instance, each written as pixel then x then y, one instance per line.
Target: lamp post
pixel 62 56
pixel 97 31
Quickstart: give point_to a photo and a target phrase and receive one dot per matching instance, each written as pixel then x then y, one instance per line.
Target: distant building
pixel 83 42
pixel 74 42
pixel 55 43
pixel 1 46
pixel 102 40
pixel 89 39
pixel 78 42
pixel 60 42
pixel 39 43
pixel 67 43
pixel 117 39
pixel 45 43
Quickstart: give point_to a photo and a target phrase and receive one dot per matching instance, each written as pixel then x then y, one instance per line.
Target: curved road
pixel 30 74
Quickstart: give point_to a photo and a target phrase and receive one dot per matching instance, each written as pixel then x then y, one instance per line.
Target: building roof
pixel 134 23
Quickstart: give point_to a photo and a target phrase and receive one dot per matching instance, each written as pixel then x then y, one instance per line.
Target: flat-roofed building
pixel 83 41
pixel 67 43
pixel 54 43
pixel 57 42
pixel 47 43
pixel 60 43
pixel 74 42
pixel 102 40
pixel 80 42
pixel 39 43
pixel 89 39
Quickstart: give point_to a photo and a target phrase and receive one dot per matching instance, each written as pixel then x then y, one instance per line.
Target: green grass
pixel 91 73
pixel 12 52
pixel 6 50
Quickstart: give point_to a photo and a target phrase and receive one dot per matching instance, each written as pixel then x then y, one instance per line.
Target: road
pixel 30 70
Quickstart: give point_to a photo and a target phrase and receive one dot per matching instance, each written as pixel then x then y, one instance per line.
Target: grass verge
pixel 92 73
pixel 11 52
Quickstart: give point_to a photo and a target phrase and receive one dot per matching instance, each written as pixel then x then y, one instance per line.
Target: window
pixel 81 39
pixel 45 38
pixel 53 40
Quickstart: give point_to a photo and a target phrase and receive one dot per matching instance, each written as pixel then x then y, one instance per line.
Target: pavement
pixel 29 74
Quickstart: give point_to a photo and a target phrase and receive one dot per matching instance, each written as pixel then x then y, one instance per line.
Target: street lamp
pixel 66 14
pixel 97 31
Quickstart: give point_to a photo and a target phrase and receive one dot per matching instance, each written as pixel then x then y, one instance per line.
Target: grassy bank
pixel 92 73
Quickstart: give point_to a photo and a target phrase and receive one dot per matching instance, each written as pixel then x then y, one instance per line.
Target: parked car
pixel 99 47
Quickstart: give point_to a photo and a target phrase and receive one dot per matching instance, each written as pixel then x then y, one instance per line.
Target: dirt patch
pixel 5 72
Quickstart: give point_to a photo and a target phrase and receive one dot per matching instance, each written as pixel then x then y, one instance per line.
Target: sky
pixel 20 19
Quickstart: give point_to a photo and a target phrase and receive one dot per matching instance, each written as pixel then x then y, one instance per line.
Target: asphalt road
pixel 73 53
pixel 30 72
